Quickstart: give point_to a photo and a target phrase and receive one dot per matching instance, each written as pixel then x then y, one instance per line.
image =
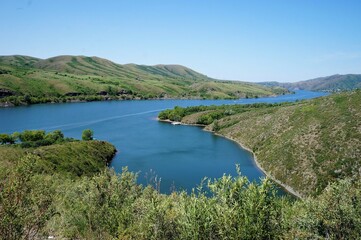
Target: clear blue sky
pixel 282 40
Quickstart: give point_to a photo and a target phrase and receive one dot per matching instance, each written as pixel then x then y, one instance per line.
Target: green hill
pixel 66 78
pixel 102 67
pixel 331 83
pixel 69 157
pixel 305 145
pixel 18 61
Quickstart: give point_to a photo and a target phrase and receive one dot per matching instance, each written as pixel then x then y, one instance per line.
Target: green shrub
pixel 31 135
pixel 25 202
pixel 87 135
pixel 335 214
pixel 6 139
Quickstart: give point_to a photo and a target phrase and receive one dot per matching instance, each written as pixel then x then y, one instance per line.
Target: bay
pixel 172 157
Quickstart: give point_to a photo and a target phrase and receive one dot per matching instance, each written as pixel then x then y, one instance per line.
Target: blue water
pixel 178 156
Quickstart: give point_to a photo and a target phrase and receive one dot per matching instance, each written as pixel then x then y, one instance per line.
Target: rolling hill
pixel 65 78
pixel 331 83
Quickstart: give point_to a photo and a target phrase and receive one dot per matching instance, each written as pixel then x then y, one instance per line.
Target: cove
pixel 179 156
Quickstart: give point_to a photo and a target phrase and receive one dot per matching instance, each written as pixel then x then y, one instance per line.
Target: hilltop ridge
pixel 68 78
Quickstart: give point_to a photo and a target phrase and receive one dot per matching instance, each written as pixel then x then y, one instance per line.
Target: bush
pixel 37 138
pixel 31 135
pixel 6 139
pixel 98 207
pixel 25 202
pixel 55 136
pixel 87 135
pixel 335 214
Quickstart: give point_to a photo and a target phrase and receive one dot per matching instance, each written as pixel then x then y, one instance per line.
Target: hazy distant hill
pixel 76 76
pixel 331 83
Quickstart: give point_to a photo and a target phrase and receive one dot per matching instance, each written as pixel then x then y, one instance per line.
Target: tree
pixel 27 99
pixel 55 136
pixel 87 135
pixel 6 138
pixel 32 135
pixel 216 126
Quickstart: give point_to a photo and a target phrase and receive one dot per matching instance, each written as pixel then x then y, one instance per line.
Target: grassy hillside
pixel 55 153
pixel 29 80
pixel 76 158
pixel 305 145
pixel 331 83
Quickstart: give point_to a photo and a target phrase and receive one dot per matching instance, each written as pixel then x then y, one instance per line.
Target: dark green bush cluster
pixel 86 97
pixel 87 135
pixel 37 138
pixel 34 138
pixel 26 99
pixel 208 118
pixel 212 112
pixel 6 139
pixel 178 113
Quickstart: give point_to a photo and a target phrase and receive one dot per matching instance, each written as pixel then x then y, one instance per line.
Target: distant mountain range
pixel 79 77
pixel 331 83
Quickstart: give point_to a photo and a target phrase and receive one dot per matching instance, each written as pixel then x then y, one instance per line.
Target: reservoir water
pixel 179 156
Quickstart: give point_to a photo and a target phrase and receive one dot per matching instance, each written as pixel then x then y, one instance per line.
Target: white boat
pixel 176 123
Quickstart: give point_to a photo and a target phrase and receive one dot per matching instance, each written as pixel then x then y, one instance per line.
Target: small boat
pixel 176 123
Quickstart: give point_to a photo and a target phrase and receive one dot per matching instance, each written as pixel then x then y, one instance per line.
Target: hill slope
pixel 331 83
pixel 73 76
pixel 305 145
pixel 76 158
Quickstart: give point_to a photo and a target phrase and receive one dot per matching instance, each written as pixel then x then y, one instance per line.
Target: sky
pixel 280 40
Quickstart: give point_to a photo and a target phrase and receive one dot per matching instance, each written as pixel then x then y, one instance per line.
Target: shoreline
pixel 6 103
pixel 185 124
pixel 11 104
pixel 283 185
pixel 286 187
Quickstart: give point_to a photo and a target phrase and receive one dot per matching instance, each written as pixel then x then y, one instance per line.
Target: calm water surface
pixel 180 155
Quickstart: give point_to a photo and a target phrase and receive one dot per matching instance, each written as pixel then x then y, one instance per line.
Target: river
pixel 177 157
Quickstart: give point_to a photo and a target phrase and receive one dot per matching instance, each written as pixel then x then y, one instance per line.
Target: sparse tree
pixel 6 139
pixel 87 135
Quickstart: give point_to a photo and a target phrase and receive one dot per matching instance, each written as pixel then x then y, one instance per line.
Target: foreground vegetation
pixel 28 80
pixel 109 206
pixel 305 145
pixel 65 190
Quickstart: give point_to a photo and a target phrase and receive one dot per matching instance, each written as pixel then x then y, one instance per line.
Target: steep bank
pixel 305 145
pixel 283 185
